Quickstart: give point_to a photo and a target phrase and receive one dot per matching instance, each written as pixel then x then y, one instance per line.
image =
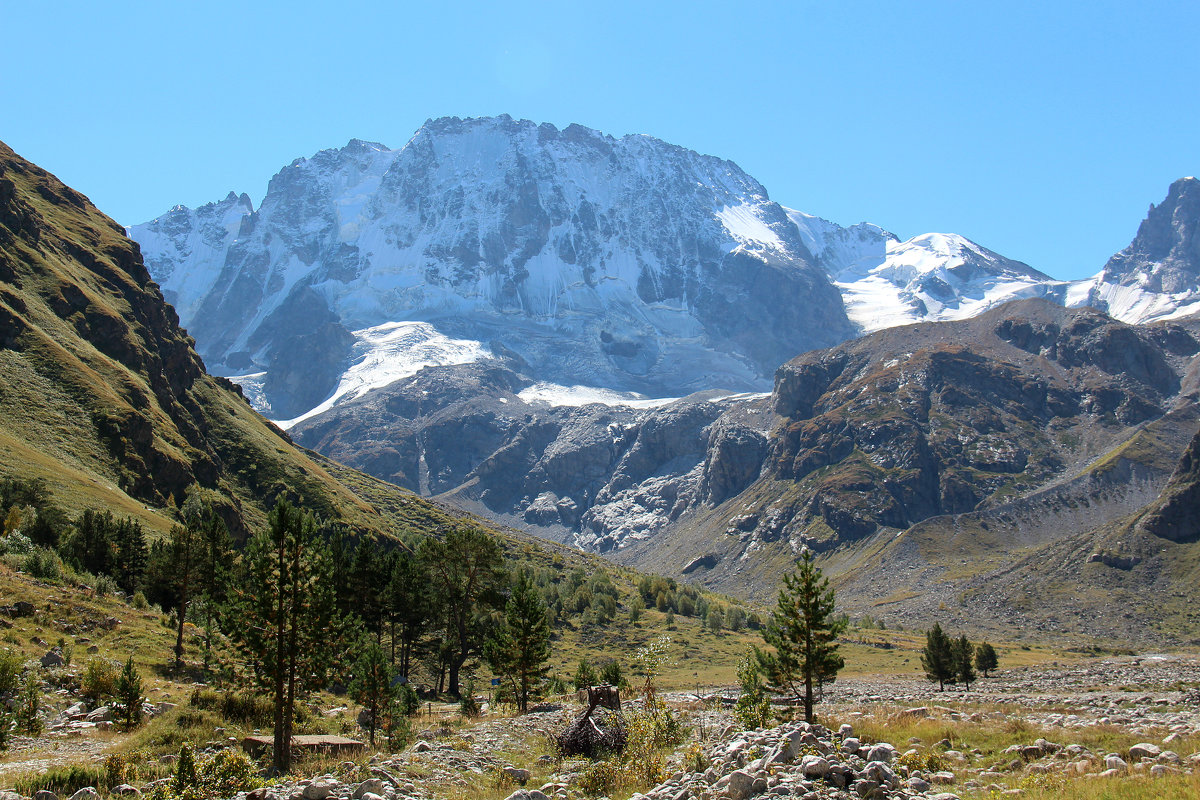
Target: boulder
pixel 125 790
pixel 518 775
pixel 321 789
pixel 740 786
pixel 814 767
pixel 1115 762
pixel 53 658
pixel 86 793
pixel 881 752
pixel 101 714
pixel 1144 750
pixel 370 785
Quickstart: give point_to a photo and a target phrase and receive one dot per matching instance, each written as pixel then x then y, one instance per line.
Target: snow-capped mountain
pixel 628 264
pixel 1158 275
pixel 929 278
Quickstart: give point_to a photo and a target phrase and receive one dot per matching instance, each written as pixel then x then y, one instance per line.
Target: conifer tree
pixel 519 647
pixel 937 657
pixel 129 696
pixel 803 630
pixel 465 577
pixel 282 615
pixel 132 554
pixel 585 675
pixel 408 607
pixel 372 687
pixel 964 657
pixel 985 658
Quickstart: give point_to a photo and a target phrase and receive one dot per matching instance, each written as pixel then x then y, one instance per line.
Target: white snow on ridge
pixel 386 353
pixel 554 394
pixel 744 224
pixel 1132 304
pixel 931 277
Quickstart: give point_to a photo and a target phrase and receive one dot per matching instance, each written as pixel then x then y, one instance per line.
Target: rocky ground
pixel 1121 719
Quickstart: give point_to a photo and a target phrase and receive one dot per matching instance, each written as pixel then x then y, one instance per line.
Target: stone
pixel 1115 762
pixel 53 658
pixel 86 793
pixel 262 793
pixel 918 784
pixel 101 714
pixel 944 778
pixel 422 747
pixel 370 785
pixel 881 752
pixel 850 744
pixel 1144 750
pixel 845 731
pixel 518 775
pixel 867 788
pixel 125 790
pixel 321 789
pixel 741 785
pixel 814 767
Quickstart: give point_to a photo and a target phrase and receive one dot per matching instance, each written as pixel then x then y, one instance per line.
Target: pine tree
pixel 132 555
pixel 585 675
pixel 29 706
pixel 985 658
pixel 372 686
pixel 519 647
pixel 937 657
pixel 282 615
pixel 803 630
pixel 409 607
pixel 465 573
pixel 964 656
pixel 129 696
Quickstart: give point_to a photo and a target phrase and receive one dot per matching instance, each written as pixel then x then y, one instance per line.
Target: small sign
pixel 495 681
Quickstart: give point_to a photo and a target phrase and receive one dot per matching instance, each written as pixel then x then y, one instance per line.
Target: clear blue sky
pixel 1040 129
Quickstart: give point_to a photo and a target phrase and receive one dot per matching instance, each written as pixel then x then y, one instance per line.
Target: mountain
pixel 101 393
pixel 628 264
pixel 932 277
pixel 1158 275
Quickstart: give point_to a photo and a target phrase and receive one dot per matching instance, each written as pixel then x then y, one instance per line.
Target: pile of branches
pixel 597 732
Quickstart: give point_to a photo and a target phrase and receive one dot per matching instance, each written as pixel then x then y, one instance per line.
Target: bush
pixel 99 681
pixel 12 663
pixel 104 586
pixel 17 544
pixel 252 710
pixel 62 781
pixel 43 564
pixel 139 601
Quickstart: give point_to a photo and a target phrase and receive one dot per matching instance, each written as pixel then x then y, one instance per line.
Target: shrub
pixel 139 601
pixel 752 709
pixel 43 564
pixel 468 706
pixel 104 586
pixel 11 665
pixel 16 543
pixel 99 681
pixel 29 706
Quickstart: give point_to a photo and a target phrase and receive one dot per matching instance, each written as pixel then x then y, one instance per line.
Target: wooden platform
pixel 255 746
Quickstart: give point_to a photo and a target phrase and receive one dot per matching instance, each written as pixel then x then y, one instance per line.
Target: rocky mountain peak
pixel 1165 254
pixel 625 263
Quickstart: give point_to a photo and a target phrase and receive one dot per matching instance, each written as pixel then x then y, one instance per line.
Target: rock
pixel 814 767
pixel 918 784
pixel 881 752
pixel 850 744
pixel 792 743
pixel 125 790
pixel 518 775
pixel 101 714
pixel 163 707
pixel 845 731
pixel 370 785
pixel 1144 750
pixel 741 785
pixel 373 796
pixel 6 795
pixel 321 789
pixel 527 794
pixel 422 747
pixel 86 793
pixel 867 788
pixel 53 658
pixel 944 778
pixel 21 608
pixel 262 793
pixel 1116 762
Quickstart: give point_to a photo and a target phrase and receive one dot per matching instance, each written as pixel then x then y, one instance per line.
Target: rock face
pixel 910 423
pixel 1176 515
pixel 1158 275
pixel 662 270
pixel 596 475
